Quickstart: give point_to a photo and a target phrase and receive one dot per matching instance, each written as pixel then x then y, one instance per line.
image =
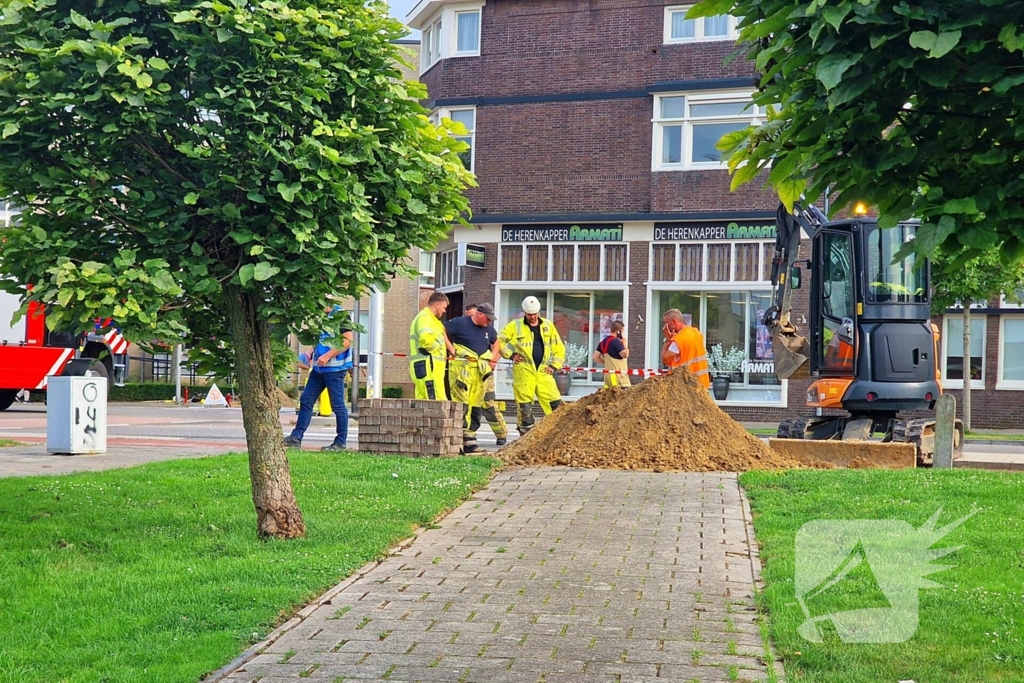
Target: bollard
pixel 945 419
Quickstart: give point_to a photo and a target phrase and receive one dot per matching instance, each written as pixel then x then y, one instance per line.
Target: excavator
pixel 871 350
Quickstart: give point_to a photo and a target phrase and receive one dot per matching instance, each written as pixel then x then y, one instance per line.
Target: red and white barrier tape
pixel 646 372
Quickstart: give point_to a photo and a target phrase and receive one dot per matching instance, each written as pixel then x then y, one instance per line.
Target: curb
pixel 325 599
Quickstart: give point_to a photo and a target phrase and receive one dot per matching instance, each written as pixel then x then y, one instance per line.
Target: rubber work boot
pixel 501 442
pixel 335 447
pixel 291 442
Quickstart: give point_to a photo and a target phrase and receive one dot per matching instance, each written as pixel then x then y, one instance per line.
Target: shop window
pixel 719 262
pixel 568 262
pixel 953 351
pixel 590 262
pixel 732 319
pixel 688 126
pixel 663 262
pixel 1011 353
pixel 537 262
pixel 726 262
pixel 616 262
pixel 747 262
pixel 691 262
pixel 511 261
pixel 679 29
pixel 563 262
pixel 767 254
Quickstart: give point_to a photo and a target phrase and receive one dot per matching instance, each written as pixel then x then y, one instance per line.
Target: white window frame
pixel 427 273
pixel 455 52
pixel 441 34
pixel 449 276
pixel 1006 384
pixel 446 113
pixel 698 28
pixel 431 43
pixel 761 258
pixel 959 383
pixel 752 116
pixel 550 282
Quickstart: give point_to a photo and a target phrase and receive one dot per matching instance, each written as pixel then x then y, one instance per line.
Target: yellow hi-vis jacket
pixel 426 340
pixel 517 337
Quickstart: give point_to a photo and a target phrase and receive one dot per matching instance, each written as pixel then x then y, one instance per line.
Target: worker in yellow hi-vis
pixel 537 353
pixel 429 348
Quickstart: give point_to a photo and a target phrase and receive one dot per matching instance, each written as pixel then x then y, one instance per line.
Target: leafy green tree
pixel 215 167
pixel 914 107
pixel 960 282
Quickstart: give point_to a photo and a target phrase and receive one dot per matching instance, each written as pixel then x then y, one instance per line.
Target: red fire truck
pixel 30 353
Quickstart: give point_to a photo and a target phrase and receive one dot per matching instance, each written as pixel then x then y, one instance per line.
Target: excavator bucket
pixel 852 454
pixel 790 352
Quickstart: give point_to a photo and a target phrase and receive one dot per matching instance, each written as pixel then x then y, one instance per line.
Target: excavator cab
pixel 870 349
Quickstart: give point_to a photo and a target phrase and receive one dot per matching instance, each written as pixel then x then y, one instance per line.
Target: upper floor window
pixel 467 39
pixel 450 29
pixel 430 48
pixel 679 29
pixel 467 117
pixel 688 126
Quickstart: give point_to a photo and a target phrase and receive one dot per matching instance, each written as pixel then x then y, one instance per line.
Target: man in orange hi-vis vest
pixel 684 347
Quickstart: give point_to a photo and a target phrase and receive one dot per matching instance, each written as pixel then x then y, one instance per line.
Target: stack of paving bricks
pixel 410 426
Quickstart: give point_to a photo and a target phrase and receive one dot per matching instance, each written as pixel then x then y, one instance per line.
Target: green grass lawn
pixel 155 574
pixel 7 443
pixel 971 629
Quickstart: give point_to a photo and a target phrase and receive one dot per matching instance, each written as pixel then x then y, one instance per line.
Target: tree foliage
pixel 208 168
pixel 167 148
pixel 914 107
pixel 956 282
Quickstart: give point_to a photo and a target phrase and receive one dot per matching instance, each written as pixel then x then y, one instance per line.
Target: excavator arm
pixel 790 350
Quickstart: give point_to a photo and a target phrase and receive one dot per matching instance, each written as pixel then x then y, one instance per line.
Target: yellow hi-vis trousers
pixel 472 384
pixel 432 385
pixel 529 383
pixel 618 365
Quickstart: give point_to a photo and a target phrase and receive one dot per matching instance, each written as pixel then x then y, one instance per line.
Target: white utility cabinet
pixel 76 415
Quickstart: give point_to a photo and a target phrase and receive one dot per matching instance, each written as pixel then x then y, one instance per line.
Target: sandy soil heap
pixel 664 423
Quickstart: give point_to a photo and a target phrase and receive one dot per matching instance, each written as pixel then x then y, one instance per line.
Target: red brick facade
pixel 564 94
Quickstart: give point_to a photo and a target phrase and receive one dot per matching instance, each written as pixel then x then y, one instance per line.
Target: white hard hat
pixel 531 305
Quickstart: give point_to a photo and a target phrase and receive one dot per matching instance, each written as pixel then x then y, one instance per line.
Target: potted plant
pixel 575 357
pixel 722 365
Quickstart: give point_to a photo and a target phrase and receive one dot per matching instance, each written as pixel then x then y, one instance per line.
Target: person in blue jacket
pixel 329 363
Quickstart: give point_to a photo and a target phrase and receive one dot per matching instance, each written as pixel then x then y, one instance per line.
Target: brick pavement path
pixel 553 575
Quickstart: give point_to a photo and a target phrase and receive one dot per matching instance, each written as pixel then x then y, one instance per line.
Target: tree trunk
pixel 967 365
pixel 277 513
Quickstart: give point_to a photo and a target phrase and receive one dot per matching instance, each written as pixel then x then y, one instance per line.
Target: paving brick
pixel 594 585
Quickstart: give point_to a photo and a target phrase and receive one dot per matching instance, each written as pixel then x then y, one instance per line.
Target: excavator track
pixel 921 433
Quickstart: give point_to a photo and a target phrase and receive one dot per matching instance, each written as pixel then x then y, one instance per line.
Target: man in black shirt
pixel 471 373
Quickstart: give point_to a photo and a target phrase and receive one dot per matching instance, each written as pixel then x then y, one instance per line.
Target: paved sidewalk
pixel 553 575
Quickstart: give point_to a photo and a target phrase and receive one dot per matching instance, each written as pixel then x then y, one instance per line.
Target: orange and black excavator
pixel 871 350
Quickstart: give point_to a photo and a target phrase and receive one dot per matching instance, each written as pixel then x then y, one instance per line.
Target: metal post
pixel 355 360
pixel 177 374
pixel 375 361
pixel 945 421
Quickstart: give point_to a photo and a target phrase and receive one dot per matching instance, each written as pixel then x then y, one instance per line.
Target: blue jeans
pixel 334 382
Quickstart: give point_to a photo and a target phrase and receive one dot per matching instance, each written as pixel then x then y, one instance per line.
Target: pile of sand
pixel 664 423
pixel 286 400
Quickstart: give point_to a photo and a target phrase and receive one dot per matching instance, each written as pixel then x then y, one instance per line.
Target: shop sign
pixel 471 255
pixel 718 230
pixel 580 232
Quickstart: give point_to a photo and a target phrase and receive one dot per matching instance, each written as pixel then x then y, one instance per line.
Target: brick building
pixel 592 129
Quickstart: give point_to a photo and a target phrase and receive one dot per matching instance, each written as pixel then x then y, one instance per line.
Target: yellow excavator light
pixel 860 208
